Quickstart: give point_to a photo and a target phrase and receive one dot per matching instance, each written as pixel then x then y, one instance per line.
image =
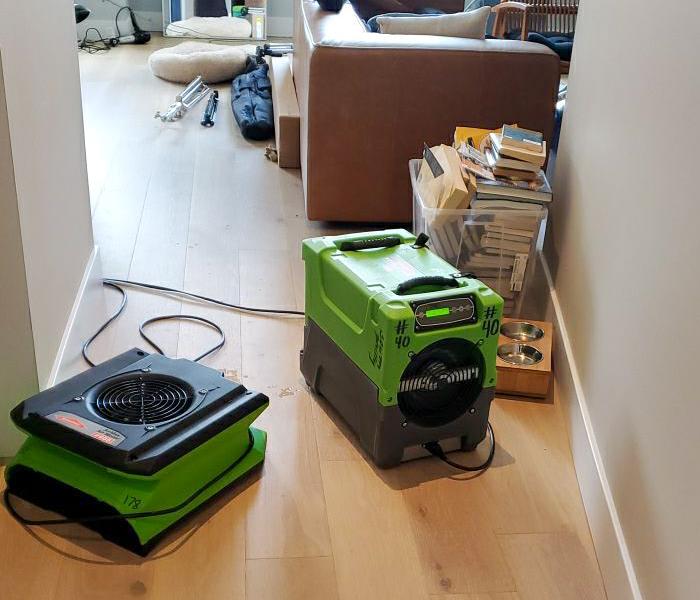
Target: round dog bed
pixel 182 63
pixel 211 27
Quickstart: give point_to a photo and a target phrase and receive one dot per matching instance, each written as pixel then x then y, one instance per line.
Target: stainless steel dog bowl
pixel 519 354
pixel 521 331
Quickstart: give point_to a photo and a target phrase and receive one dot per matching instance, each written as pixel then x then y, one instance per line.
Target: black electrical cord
pixel 116 18
pixel 119 311
pixel 213 349
pixel 117 285
pixel 93 46
pixel 436 450
pixel 139 515
pixel 161 288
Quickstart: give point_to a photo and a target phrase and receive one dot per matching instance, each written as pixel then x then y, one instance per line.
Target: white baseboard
pixel 280 26
pixel 613 556
pixel 87 314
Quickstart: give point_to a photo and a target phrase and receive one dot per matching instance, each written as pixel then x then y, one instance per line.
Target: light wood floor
pixel 199 208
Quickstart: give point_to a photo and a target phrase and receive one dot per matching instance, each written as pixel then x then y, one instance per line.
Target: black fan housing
pixel 441 382
pixel 137 412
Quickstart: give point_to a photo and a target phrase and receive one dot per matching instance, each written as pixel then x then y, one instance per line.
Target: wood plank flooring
pixel 182 205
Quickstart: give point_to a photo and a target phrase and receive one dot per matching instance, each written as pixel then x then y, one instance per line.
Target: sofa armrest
pixel 316 24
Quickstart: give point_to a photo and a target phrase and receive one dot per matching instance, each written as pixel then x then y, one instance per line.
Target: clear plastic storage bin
pixel 498 245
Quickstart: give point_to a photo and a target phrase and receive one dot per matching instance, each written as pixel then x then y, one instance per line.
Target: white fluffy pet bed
pixel 211 27
pixel 182 63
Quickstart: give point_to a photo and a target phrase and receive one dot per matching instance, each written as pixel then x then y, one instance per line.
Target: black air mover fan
pixel 441 382
pixel 133 445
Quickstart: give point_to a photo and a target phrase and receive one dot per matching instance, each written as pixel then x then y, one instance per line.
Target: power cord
pixel 436 450
pixel 101 44
pixel 213 325
pixel 161 288
pixel 137 36
pixel 118 284
pixel 116 18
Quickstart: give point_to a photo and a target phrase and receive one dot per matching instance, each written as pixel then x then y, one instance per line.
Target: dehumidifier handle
pixel 388 241
pixel 408 285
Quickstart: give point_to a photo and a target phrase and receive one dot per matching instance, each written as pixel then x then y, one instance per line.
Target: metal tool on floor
pixel 185 100
pixel 209 116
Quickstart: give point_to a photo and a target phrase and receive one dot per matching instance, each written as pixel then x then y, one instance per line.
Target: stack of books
pixel 516 153
pixel 516 157
pixel 508 193
pixel 493 230
pixel 497 246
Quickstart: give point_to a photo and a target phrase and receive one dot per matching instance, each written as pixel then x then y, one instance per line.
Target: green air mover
pixel 399 343
pixel 134 445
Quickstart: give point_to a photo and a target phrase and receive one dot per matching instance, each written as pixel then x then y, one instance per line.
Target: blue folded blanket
pixel 561 43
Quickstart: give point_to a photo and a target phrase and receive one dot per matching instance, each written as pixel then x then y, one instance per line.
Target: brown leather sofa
pixel 369 101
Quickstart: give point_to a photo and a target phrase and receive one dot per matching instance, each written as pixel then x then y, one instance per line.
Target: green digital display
pixel 437 312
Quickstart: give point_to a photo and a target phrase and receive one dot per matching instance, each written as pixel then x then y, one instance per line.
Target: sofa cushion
pixel 470 25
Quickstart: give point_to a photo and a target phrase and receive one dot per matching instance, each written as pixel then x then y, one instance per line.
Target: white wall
pixel 17 362
pixel 49 196
pixel 624 249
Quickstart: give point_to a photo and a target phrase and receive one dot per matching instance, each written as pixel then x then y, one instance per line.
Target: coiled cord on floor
pixel 436 450
pixel 118 284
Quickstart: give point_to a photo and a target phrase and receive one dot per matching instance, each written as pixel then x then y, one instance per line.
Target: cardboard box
pixel 286 109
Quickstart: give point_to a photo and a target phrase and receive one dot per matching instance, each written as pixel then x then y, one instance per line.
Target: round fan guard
pixel 441 382
pixel 141 398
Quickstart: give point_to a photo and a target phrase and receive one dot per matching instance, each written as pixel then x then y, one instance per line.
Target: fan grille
pixel 441 382
pixel 144 398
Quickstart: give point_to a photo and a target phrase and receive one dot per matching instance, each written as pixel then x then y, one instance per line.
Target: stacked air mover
pixel 134 445
pixel 398 342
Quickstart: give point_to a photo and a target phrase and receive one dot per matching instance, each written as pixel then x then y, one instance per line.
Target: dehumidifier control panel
pixel 444 313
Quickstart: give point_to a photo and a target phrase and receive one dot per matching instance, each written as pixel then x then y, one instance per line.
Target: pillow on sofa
pixel 471 24
pixel 373 26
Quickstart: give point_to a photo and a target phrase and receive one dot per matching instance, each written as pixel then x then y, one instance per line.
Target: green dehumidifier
pixel 134 445
pixel 399 343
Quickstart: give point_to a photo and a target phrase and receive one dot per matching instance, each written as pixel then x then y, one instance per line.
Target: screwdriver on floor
pixel 209 116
